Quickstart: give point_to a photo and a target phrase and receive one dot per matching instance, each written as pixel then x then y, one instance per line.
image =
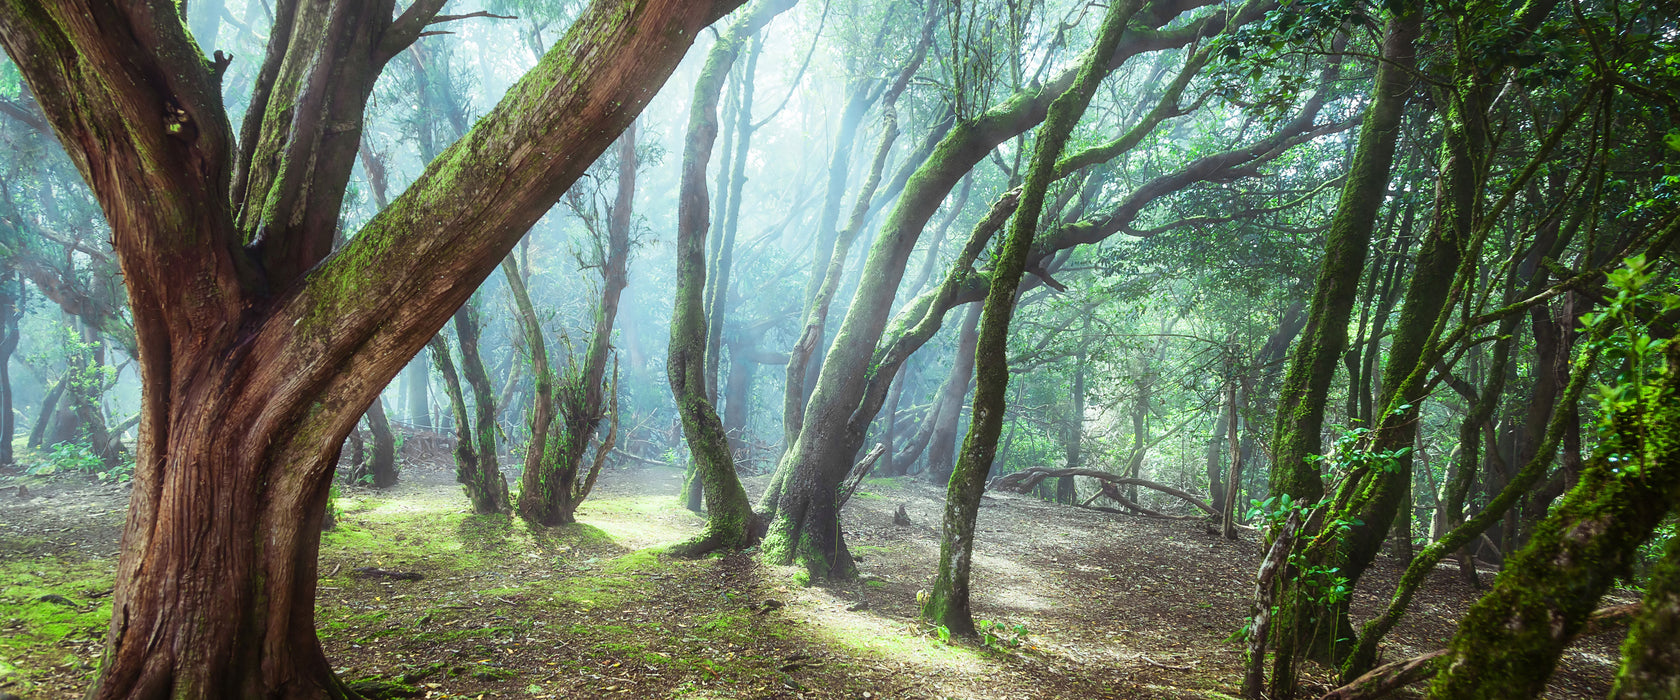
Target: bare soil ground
pixel 1113 606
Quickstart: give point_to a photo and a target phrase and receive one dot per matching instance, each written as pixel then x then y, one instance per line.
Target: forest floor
pixel 1113 606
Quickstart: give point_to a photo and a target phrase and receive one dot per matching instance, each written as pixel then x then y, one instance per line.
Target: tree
pixel 730 521
pixel 259 346
pixel 947 601
pixel 555 481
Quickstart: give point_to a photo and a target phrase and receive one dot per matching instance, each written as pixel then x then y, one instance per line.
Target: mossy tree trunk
pixel 817 308
pixel 555 480
pixel 924 314
pixel 1508 644
pixel 947 601
pixel 1650 655
pixel 1461 473
pixel 1370 499
pixel 730 521
pixel 1297 434
pixel 259 347
pixel 1301 403
pixel 475 430
pixel 802 528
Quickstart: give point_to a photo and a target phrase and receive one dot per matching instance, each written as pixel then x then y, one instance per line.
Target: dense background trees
pixel 1361 263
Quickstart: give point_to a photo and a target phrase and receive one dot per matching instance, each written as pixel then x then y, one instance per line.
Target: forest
pixel 1259 349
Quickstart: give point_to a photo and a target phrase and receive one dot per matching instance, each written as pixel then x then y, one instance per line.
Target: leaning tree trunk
pixel 730 521
pixel 1509 642
pixel 829 440
pixel 259 346
pixel 1301 404
pixel 947 602
pixel 49 409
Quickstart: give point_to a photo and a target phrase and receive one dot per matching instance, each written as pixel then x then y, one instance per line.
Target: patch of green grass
pixel 450 635
pixel 619 582
pixel 31 629
pixel 348 620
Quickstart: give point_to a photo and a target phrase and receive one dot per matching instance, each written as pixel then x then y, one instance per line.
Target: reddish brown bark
pixel 257 349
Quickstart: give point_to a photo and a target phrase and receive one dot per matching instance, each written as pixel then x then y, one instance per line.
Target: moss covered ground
pixel 1113 608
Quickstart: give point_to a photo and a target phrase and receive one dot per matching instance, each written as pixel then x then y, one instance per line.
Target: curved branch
pixel 1024 481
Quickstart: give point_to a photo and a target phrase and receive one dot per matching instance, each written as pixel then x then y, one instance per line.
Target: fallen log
pixel 1113 493
pixel 1025 481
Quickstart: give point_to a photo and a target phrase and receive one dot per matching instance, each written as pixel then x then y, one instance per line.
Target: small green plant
pixel 943 632
pixel 1000 635
pixel 69 457
pixel 1621 330
pixel 1353 454
pixel 122 473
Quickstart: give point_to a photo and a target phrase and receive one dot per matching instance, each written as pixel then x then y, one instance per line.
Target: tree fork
pixel 257 360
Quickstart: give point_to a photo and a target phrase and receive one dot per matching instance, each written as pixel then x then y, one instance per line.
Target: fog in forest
pixel 781 349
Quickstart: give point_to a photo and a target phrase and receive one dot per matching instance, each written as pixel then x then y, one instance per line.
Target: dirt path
pixel 1112 606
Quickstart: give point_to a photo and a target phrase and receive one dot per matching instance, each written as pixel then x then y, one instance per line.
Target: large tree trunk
pixel 947 602
pixel 257 351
